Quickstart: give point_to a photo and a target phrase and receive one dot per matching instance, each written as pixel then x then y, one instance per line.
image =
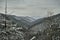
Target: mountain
pixel 24 21
pixel 28 22
pixel 45 23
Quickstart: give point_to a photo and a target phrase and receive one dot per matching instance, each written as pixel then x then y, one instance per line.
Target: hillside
pixel 20 27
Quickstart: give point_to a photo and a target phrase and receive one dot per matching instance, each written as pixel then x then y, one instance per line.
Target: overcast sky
pixel 31 7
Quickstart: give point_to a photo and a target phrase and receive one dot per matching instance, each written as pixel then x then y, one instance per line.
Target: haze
pixel 31 7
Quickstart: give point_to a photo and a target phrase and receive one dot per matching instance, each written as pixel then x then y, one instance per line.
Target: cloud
pixel 32 7
pixel 40 3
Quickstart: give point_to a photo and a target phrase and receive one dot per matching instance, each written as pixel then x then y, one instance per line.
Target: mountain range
pixel 28 22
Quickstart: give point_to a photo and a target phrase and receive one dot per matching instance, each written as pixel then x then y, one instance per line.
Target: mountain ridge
pixel 24 20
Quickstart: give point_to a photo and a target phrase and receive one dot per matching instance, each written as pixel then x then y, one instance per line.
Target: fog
pixel 31 7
